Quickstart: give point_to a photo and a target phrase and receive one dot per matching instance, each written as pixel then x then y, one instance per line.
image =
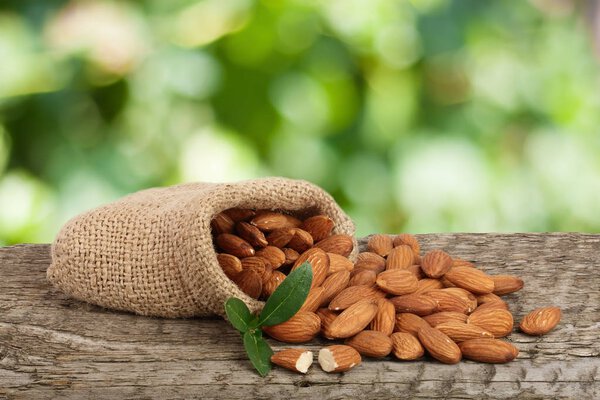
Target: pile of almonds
pixel 390 301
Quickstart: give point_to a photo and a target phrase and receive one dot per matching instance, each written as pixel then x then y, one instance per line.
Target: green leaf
pixel 258 351
pixel 238 314
pixel 288 297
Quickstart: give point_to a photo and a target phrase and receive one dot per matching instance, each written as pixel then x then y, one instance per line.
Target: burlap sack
pixel 152 253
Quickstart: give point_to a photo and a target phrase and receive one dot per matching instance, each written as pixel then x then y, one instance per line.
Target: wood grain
pixel 55 347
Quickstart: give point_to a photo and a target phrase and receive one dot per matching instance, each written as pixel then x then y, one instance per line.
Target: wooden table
pixel 55 347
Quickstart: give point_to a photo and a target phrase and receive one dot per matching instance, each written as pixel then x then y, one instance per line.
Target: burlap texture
pixel 152 253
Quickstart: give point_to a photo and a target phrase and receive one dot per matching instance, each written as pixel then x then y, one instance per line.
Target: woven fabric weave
pixel 152 253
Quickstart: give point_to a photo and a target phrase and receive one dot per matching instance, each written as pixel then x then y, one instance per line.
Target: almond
pixel 240 214
pixel 459 262
pixel 272 283
pixel 313 300
pixel 280 237
pixel 493 305
pixel 488 350
pixel 397 282
pixel 301 241
pixel 416 271
pixel 436 263
pixel 255 264
pixel 409 323
pixel 301 328
pixel 439 345
pixel 541 320
pixel 362 276
pixel 251 234
pixel 291 256
pixel 339 244
pixel 446 283
pixel 353 319
pixel 372 261
pixel 338 263
pixel 338 358
pixel 334 284
pixel 418 304
pixel 273 255
pixel 380 244
pixel 488 297
pixel 447 301
pixel 327 316
pixel 371 343
pixel 467 296
pixel 400 257
pixel 427 284
pixel 505 284
pixel 297 360
pixel 471 279
pixel 461 331
pixel 353 294
pixel 269 221
pixel 445 316
pixel 231 265
pixel 385 318
pixel 250 282
pixel 221 223
pixel 406 346
pixel 408 240
pixel 319 226
pixel 266 275
pixel 234 245
pixel 496 321
pixel 318 260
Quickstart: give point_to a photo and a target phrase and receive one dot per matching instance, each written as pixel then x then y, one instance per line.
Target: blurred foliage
pixel 420 116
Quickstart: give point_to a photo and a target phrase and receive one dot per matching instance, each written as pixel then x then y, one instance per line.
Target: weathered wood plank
pixel 52 346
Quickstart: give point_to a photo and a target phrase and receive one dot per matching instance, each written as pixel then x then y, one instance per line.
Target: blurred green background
pixel 418 116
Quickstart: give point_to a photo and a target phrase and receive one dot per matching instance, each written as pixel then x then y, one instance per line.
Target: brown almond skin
pixel 362 276
pixel 488 297
pixel 250 282
pixel 409 240
pixel 353 294
pixel 439 345
pixel 222 223
pixel 231 265
pixel 338 263
pixel 339 244
pixel 397 282
pixel 319 262
pixel 240 214
pixel 327 316
pixel 540 321
pixel 369 260
pixel 498 322
pixel 353 319
pixel 268 221
pixel 371 343
pixel 418 304
pixel 493 305
pixel 459 262
pixel 272 254
pixel 488 350
pixel 334 284
pixel 272 283
pixel 251 234
pixel 234 245
pixel 254 263
pixel 280 237
pixel 445 316
pixel 461 331
pixel 313 300
pixel 385 318
pixel 380 244
pixel 447 301
pixel 291 256
pixel 301 241
pixel 400 257
pixel 436 263
pixel 469 298
pixel 505 284
pixel 406 347
pixel 416 271
pixel 409 323
pixel 345 357
pixel 318 226
pixel 427 284
pixel 471 279
pixel 302 327
pixel 287 358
